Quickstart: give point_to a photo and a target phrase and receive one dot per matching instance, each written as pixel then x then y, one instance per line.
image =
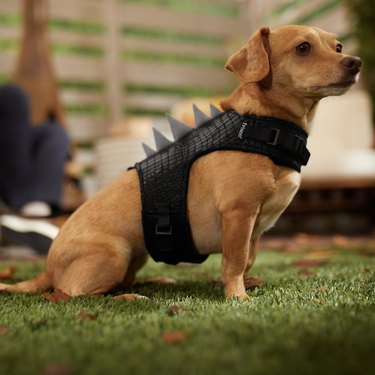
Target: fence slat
pixel 73 38
pixel 152 17
pixel 10 6
pixel 162 46
pixel 8 62
pixel 158 102
pixel 79 68
pixel 82 97
pixel 82 129
pixel 114 87
pixel 223 2
pixel 175 75
pixel 8 32
pixel 78 10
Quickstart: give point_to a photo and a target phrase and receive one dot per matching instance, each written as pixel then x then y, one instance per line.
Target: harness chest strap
pixel 164 176
pixel 282 135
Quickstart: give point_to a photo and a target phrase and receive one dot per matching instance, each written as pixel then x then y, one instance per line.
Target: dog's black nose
pixel 353 64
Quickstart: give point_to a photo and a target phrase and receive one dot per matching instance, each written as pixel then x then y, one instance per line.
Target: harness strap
pixel 164 176
pixel 278 133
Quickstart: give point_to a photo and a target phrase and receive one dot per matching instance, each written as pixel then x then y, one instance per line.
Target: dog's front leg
pixel 252 253
pixel 237 226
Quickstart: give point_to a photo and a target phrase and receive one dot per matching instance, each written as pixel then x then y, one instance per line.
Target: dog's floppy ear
pixel 251 63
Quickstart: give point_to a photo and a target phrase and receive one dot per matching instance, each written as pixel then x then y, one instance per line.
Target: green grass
pixel 293 324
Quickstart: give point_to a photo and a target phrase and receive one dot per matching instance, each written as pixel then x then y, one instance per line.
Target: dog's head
pixel 300 59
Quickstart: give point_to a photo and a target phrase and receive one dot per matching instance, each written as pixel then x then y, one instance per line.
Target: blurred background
pixel 116 67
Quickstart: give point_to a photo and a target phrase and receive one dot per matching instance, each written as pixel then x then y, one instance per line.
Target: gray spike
pixel 148 150
pixel 199 116
pixel 160 140
pixel 215 111
pixel 178 128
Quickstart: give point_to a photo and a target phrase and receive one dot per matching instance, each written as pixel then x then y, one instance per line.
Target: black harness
pixel 164 177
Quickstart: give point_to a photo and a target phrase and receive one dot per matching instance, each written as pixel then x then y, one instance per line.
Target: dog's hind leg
pixel 39 283
pixel 94 272
pixel 135 265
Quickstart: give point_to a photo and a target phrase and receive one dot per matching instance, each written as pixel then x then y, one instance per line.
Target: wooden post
pixel 114 82
pixel 34 71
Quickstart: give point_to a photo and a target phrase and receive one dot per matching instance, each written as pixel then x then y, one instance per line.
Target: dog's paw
pixel 157 280
pixel 130 296
pixel 238 297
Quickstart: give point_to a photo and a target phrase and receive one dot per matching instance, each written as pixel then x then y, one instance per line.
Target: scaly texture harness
pixel 164 176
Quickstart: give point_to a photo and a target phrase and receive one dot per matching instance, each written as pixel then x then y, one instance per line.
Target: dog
pixel 233 197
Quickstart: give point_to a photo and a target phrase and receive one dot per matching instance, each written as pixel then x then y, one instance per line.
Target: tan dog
pixel 233 197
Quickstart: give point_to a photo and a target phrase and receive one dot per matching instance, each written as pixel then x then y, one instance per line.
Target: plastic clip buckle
pixel 163 225
pixel 299 143
pixel 276 137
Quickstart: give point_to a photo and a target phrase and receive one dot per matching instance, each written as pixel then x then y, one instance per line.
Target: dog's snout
pixel 352 64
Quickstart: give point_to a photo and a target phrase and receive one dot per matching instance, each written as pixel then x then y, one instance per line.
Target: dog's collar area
pixel 279 134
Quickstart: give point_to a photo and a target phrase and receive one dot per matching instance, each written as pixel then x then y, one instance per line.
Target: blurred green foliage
pixel 364 16
pixel 192 6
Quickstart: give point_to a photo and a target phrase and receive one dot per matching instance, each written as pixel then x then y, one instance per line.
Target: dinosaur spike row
pixel 214 111
pixel 160 140
pixel 200 117
pixel 179 129
pixel 148 150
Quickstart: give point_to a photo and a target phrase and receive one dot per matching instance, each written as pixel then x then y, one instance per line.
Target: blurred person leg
pixel 32 158
pixel 50 151
pixel 32 163
pixel 15 147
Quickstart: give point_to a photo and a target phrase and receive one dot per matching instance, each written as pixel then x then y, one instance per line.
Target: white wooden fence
pixel 133 61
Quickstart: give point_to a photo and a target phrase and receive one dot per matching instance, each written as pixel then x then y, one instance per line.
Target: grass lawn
pixel 301 320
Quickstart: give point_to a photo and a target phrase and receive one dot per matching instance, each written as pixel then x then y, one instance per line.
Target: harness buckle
pixel 299 143
pixel 275 138
pixel 163 225
pixel 163 229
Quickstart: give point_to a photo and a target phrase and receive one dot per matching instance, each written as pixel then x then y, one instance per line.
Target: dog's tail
pixel 39 283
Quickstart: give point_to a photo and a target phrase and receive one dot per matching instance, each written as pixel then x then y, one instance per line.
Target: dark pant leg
pixel 15 146
pixel 31 158
pixel 50 151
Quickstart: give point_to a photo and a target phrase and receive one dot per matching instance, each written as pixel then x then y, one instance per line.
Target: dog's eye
pixel 303 48
pixel 339 48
